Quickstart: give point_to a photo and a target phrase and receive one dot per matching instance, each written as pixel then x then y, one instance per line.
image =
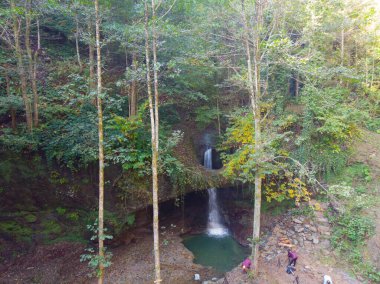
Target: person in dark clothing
pixel 292 256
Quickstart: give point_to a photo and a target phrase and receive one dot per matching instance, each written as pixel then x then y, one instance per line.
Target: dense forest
pixel 119 119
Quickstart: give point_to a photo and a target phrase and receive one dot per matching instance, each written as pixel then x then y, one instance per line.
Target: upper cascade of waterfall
pixel 215 226
pixel 208 158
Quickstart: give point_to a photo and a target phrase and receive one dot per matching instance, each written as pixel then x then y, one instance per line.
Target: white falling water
pixel 214 225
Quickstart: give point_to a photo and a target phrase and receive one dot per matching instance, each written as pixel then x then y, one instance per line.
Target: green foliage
pixel 350 230
pixel 304 210
pixel 276 208
pixel 129 144
pixel 205 115
pixel 131 218
pixel 73 216
pixel 61 211
pixel 281 179
pixel 92 257
pixel 8 102
pixel 17 143
pixel 349 235
pixel 351 226
pixel 50 228
pixel 239 139
pixel 355 173
pixel 72 142
pixel 30 218
pixel 15 230
pixel 327 131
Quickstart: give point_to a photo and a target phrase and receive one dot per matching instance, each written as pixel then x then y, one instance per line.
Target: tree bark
pixel 13 111
pixel 32 63
pixel 134 87
pixel 154 132
pixel 255 94
pixel 91 59
pixel 155 69
pixel 101 148
pixel 21 69
pixel 77 43
pixel 342 47
pixel 38 35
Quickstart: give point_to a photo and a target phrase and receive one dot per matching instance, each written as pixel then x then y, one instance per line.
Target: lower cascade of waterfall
pixel 215 226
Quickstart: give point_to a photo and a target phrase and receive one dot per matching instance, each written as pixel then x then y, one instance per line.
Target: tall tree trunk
pixel 154 130
pixel 77 43
pixel 38 35
pixel 20 68
pixel 91 59
pixel 342 47
pixel 35 91
pixel 155 69
pixel 32 62
pixel 255 94
pixel 13 111
pixel 218 116
pixel 101 148
pixel 134 87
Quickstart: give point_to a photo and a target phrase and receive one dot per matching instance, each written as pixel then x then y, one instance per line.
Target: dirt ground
pixel 132 263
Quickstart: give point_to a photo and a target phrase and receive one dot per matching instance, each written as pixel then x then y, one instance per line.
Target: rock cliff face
pixel 31 186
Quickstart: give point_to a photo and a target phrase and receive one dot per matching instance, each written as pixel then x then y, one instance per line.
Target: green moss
pixel 14 230
pixel 51 228
pixel 72 216
pixel 30 218
pixel 61 211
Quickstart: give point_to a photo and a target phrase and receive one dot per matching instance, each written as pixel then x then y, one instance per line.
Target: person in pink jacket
pixel 292 256
pixel 246 265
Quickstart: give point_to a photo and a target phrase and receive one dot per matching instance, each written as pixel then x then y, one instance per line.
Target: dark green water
pixel 222 254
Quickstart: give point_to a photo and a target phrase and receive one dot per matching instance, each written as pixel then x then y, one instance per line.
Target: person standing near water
pixel 246 265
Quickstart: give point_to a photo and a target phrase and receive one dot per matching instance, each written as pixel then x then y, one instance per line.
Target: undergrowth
pixel 351 226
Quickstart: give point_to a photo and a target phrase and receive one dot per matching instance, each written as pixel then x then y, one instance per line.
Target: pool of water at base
pixel 221 253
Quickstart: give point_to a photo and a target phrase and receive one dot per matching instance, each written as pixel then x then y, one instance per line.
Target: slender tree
pixel 255 96
pixel 153 109
pixel 13 111
pixel 91 56
pixel 20 66
pixel 77 42
pixel 32 61
pixel 133 87
pixel 101 147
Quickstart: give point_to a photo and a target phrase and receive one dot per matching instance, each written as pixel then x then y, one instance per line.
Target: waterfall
pixel 214 225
